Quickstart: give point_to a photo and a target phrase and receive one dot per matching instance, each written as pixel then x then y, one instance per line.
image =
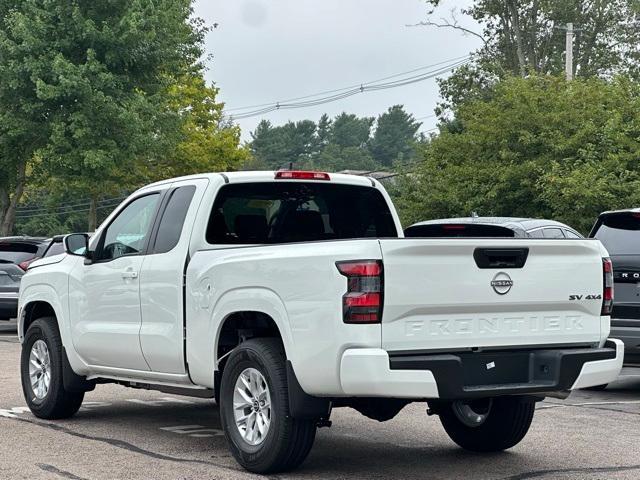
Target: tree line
pixel 346 141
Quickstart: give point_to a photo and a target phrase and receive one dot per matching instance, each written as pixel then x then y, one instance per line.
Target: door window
pixel 173 219
pixel 127 233
pixel 56 248
pixel 553 233
pixel 571 234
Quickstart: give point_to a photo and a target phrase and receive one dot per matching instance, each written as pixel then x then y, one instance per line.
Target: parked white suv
pixel 286 294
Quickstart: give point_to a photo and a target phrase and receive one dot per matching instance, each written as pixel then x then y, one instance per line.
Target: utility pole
pixel 568 52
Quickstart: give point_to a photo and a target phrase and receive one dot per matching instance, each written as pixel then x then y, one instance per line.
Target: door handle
pixel 129 274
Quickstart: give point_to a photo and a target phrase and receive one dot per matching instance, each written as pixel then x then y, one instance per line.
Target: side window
pixel 536 233
pixel 553 233
pixel 127 233
pixel 571 234
pixel 173 219
pixel 55 249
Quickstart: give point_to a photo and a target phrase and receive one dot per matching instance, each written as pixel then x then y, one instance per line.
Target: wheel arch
pixel 41 300
pixel 245 307
pixel 36 301
pixel 205 323
pixel 34 310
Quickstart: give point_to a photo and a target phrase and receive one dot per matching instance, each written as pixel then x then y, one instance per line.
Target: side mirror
pixel 77 244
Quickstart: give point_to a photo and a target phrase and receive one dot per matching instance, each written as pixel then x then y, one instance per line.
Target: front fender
pixel 42 292
pixel 204 327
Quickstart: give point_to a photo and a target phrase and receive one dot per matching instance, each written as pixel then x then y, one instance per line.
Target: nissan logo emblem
pixel 501 283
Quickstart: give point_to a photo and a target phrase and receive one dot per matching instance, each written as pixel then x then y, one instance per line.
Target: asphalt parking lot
pixel 123 433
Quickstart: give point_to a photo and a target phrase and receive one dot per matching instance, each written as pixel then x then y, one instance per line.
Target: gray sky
pixel 270 50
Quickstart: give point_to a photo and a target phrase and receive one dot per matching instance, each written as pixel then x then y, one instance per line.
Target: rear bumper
pixel 373 372
pixel 8 305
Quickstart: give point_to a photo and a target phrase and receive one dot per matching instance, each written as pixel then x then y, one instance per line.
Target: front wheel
pixel 487 425
pixel 254 410
pixel 41 365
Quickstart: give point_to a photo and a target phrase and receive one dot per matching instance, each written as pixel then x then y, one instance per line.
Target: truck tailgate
pixel 437 296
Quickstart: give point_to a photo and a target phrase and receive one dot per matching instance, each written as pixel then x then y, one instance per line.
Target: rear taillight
pixel 25 265
pixel 607 289
pixel 453 227
pixel 363 301
pixel 301 175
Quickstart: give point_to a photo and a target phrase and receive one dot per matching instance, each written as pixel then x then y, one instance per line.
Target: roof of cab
pixel 268 176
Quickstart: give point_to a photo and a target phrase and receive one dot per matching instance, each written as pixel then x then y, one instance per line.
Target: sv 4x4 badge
pixel 585 297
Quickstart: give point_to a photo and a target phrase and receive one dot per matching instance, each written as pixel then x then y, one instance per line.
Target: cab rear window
pixel 282 212
pixel 620 233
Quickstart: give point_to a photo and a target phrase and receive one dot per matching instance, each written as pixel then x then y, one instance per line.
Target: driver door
pixel 105 294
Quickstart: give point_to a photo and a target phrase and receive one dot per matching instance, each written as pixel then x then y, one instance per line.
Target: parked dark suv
pixel 619 232
pixel 16 253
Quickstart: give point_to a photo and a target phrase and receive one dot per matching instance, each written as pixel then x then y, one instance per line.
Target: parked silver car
pixel 491 227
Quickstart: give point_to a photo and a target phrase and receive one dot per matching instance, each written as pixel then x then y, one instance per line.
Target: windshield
pixel 620 233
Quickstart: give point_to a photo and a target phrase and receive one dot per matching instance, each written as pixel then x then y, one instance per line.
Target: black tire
pixel 288 440
pixel 58 403
pixel 507 423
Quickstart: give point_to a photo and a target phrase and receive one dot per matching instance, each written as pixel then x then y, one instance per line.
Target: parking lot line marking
pixel 158 402
pixel 589 404
pixel 91 405
pixel 13 412
pixel 197 431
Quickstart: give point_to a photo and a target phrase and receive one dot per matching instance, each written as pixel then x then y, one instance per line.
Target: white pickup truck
pixel 286 294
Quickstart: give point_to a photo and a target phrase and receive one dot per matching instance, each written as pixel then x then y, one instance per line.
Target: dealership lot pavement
pixel 122 433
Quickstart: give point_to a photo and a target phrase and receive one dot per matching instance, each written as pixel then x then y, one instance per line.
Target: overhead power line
pixel 68 212
pixel 336 90
pixel 28 209
pixel 340 94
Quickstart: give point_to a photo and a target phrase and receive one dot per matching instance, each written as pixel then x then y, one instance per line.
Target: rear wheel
pixel 487 425
pixel 41 366
pixel 254 409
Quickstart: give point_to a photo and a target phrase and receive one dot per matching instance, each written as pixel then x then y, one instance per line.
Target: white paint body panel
pixel 365 372
pixel 161 292
pixel 601 372
pixel 436 297
pixel 108 333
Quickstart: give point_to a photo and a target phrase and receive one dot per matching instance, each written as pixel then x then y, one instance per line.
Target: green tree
pixel 84 87
pixel 523 37
pixel 349 130
pixel 207 143
pixel 395 136
pixel 323 131
pixel 277 147
pixel 540 147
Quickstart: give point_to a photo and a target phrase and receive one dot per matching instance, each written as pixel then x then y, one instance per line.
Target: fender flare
pixel 251 299
pixel 42 292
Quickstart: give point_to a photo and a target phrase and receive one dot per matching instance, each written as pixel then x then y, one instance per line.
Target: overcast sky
pixel 271 50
